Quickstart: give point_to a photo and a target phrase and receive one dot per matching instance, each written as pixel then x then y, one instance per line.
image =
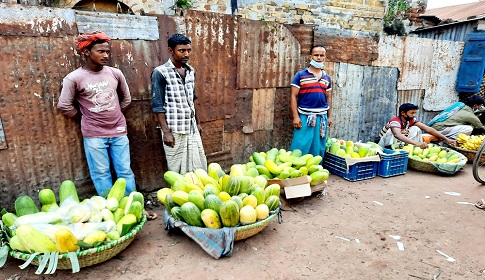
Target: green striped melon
pixel 258 192
pixel 191 214
pixel 177 213
pixel 233 186
pixel 197 198
pixel 213 202
pixel 273 189
pixel 273 202
pixel 238 200
pixel 229 213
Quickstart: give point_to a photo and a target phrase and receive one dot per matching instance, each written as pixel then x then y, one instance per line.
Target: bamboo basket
pixel 90 256
pixel 243 232
pixel 469 154
pixel 424 166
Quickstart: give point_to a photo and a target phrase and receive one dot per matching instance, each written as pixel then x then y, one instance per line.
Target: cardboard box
pixel 297 187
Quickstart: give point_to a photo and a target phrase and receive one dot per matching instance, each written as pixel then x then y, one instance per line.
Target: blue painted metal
pixel 473 63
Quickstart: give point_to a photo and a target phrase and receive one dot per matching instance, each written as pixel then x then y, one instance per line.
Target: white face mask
pixel 318 65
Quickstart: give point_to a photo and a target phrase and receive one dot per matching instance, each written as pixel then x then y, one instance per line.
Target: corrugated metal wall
pixel 426 75
pixel 268 55
pixel 452 32
pixel 364 99
pixel 440 89
pixel 244 69
pixel 425 65
pixel 45 147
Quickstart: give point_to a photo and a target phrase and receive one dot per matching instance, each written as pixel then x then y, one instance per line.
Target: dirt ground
pixel 345 234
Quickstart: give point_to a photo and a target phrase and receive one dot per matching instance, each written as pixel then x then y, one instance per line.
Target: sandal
pixel 151 216
pixel 480 204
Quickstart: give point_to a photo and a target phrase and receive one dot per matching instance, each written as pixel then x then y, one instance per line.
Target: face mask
pixel 318 65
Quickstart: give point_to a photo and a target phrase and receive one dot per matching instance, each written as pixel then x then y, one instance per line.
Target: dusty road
pixel 343 235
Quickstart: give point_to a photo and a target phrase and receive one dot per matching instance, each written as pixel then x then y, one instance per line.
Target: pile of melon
pixel 350 149
pixel 215 199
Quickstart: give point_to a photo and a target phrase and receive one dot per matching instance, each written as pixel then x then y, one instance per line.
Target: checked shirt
pixel 175 97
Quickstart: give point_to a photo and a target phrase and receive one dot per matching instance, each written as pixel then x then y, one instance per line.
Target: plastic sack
pixel 48 230
pixel 81 230
pixel 38 218
pixel 66 205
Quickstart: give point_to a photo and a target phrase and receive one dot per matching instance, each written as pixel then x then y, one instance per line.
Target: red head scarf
pixel 86 39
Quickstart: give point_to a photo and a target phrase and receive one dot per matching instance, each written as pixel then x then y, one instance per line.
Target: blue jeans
pixel 98 153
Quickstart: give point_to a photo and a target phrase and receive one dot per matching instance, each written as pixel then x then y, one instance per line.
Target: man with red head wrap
pixel 86 39
pixel 102 93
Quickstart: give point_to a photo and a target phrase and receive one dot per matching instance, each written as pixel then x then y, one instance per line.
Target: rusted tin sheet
pixel 378 98
pixel 304 34
pixel 364 99
pixel 44 148
pixel 242 119
pixel 3 140
pixel 137 59
pixel 390 50
pixel 214 59
pixel 450 32
pixel 263 108
pixel 441 92
pixel 212 137
pixel 242 145
pixel 38 21
pixel 414 97
pixel 416 64
pixel 282 120
pixel 346 96
pixel 146 149
pixel 118 26
pixel 268 55
pixel 429 66
pixel 348 47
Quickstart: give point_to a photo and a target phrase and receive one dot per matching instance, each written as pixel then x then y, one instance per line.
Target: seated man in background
pixel 459 118
pixel 405 128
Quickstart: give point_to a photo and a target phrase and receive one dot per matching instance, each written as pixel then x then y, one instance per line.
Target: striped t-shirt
pixel 312 90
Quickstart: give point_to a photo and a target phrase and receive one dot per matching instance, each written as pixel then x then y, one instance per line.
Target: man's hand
pixel 330 122
pixel 168 139
pixel 297 122
pixel 451 142
pixel 422 145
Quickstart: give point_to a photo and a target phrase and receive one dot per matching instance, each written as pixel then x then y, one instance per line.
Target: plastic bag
pixel 48 230
pixel 66 205
pixel 38 218
pixel 81 230
pixel 78 214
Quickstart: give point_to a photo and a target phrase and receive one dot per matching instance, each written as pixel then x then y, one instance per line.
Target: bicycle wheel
pixel 479 164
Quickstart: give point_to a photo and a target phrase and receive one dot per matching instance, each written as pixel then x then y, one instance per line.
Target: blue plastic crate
pixel 359 171
pixel 393 164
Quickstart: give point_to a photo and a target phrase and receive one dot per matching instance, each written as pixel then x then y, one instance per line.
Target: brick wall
pixel 355 15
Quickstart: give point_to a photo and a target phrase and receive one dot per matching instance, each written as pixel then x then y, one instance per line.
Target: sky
pixel 443 3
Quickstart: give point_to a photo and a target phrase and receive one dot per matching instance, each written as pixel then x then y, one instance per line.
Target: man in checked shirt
pixel 173 98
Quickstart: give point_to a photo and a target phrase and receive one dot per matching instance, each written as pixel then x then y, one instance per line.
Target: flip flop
pixel 151 216
pixel 480 204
